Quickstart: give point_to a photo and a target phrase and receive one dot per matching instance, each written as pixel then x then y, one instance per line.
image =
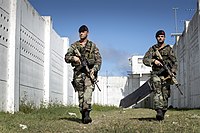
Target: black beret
pixel 160 32
pixel 83 28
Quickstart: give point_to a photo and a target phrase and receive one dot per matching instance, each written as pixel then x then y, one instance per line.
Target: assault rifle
pixel 171 75
pixel 84 65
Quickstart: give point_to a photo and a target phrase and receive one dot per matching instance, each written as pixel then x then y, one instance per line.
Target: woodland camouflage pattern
pixel 81 82
pixel 161 86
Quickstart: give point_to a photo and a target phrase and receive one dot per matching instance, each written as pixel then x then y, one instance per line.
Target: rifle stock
pixel 172 76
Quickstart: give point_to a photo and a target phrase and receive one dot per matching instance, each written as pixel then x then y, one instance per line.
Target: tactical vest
pixel 165 53
pixel 88 51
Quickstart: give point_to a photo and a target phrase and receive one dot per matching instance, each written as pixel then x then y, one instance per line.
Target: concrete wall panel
pixel 189 66
pixel 31 20
pixel 25 54
pixel 4 32
pixel 56 67
pixel 5 6
pixel 31 95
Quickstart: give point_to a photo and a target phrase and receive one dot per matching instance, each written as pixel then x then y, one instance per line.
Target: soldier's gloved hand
pixel 77 60
pixel 92 74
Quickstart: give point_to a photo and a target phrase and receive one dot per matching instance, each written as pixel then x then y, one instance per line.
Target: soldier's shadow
pixel 145 119
pixel 78 120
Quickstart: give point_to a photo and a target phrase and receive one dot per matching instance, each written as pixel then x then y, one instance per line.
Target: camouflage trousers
pixel 84 87
pixel 161 92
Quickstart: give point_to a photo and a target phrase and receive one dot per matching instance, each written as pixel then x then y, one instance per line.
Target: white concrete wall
pixel 33 38
pixel 32 58
pixel 33 68
pixel 56 68
pixel 5 10
pixel 113 89
pixel 188 53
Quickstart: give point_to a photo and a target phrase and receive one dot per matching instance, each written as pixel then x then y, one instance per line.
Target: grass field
pixel 106 119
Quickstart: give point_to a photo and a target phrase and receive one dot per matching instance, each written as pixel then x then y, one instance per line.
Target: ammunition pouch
pixel 78 68
pixel 78 84
pixel 90 62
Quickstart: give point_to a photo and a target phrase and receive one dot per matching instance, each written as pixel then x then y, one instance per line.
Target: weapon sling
pixel 171 75
pixel 84 64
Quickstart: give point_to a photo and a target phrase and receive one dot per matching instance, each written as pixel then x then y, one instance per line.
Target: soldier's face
pixel 83 35
pixel 160 38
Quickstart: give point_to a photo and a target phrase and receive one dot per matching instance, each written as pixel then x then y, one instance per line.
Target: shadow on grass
pixel 144 119
pixel 78 120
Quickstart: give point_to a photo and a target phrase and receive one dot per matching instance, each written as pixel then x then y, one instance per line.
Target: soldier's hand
pixel 92 74
pixel 158 63
pixel 77 60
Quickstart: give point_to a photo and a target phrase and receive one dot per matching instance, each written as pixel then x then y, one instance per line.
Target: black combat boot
pixel 87 118
pixel 164 111
pixel 159 115
pixel 83 115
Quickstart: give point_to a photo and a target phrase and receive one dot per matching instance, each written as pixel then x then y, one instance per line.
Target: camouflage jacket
pixel 90 52
pixel 167 54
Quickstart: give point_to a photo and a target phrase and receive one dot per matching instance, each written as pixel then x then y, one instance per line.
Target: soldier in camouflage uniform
pixel 159 82
pixel 82 82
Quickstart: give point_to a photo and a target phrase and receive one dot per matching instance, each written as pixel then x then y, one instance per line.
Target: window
pixel 140 60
